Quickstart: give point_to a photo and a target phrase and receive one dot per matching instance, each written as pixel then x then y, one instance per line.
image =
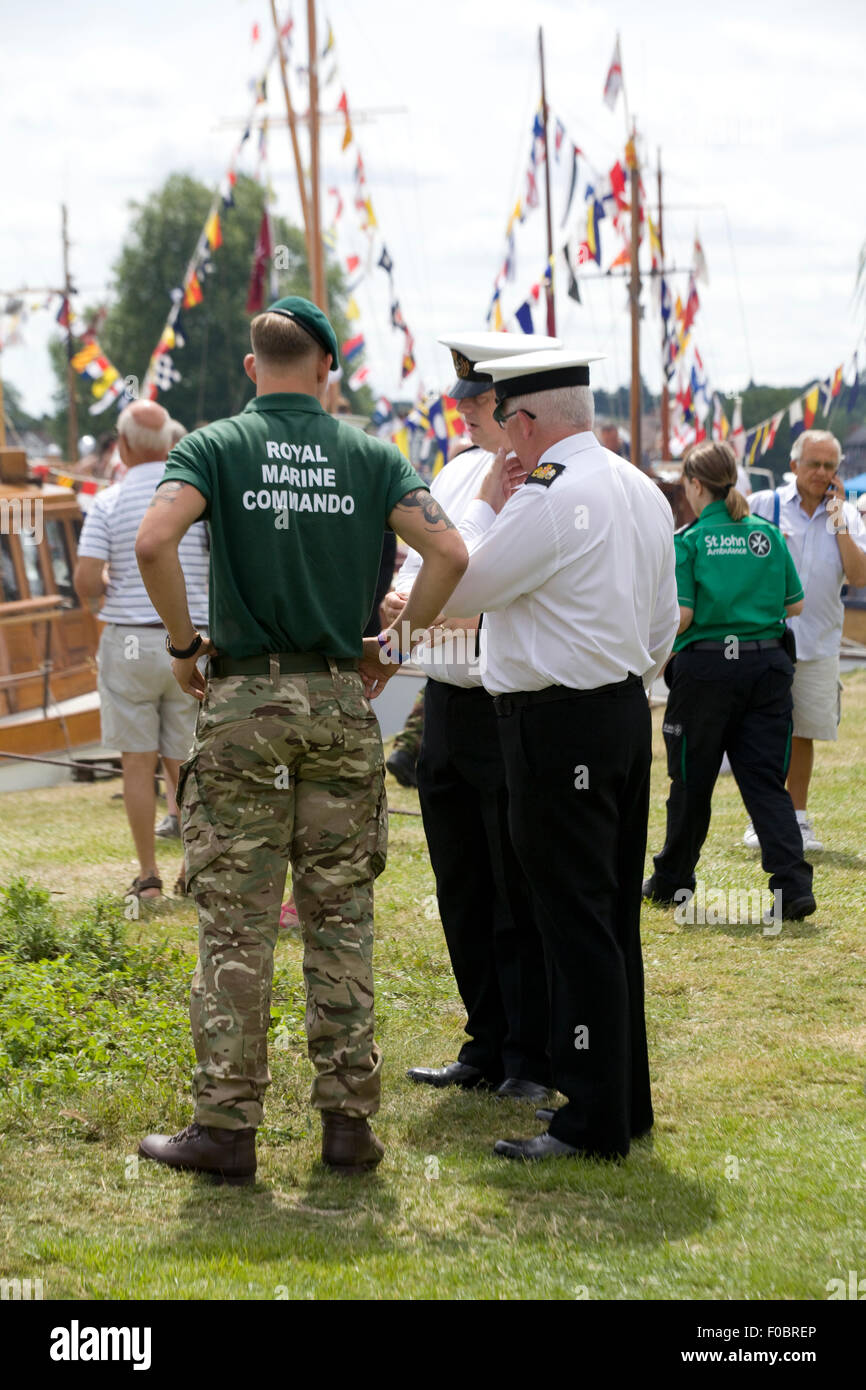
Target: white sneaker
pixel 810 840
pixel 750 838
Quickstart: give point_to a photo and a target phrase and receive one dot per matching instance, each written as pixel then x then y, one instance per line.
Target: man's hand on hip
pixel 187 674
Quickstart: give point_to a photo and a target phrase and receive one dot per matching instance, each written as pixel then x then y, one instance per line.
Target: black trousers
pixel 743 708
pixel 578 773
pixel 484 901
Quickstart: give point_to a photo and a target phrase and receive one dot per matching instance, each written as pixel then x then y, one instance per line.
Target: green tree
pixel 162 236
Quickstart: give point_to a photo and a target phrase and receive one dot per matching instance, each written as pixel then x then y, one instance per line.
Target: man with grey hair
pixel 144 712
pixel 574 571
pixel 827 540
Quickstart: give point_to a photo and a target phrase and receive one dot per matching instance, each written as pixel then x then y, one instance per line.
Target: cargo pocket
pixel 204 840
pixel 379 834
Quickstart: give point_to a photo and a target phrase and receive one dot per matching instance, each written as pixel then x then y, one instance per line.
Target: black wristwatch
pixel 186 652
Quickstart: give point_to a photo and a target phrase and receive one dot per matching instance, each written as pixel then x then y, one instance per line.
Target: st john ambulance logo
pixel 759 544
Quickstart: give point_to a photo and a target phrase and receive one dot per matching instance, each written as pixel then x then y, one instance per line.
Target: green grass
pixel 752 1186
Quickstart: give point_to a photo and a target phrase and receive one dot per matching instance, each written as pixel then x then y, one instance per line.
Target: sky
pixel 758 111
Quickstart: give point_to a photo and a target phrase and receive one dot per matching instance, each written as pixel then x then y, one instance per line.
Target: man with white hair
pixel 575 575
pixel 827 540
pixel 144 712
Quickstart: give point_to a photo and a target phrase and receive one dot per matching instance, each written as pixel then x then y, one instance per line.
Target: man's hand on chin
pixel 504 476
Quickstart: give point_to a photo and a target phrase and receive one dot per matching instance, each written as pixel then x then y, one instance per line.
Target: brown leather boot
pixel 349 1145
pixel 229 1155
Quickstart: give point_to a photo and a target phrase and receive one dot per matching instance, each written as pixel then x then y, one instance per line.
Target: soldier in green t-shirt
pixel 730 682
pixel 287 762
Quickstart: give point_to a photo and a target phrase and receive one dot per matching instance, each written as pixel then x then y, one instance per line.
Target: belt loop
pixel 332 667
pixel 274 668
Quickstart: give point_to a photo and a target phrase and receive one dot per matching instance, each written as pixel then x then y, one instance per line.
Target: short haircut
pixel 815 437
pixel 565 405
pixel 281 341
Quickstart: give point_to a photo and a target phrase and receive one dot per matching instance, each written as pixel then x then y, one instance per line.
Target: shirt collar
pixel 789 491
pixel 286 400
pixel 565 449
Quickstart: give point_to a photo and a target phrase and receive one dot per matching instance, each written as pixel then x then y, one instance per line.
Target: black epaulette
pixel 546 473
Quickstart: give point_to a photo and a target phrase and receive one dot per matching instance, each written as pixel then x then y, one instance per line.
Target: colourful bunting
pixel 613 84
pixel 192 292
pixel 213 231
pixel 810 407
pixel 524 318
pixel 353 346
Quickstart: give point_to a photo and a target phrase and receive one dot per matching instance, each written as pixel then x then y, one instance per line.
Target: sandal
pixel 140 885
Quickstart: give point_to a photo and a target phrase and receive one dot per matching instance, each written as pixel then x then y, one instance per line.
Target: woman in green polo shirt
pixel 730 682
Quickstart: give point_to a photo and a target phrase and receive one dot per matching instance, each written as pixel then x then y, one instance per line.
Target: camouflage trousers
pixel 279 772
pixel 409 737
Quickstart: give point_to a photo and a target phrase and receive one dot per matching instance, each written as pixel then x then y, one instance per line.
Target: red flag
pixel 63 314
pixel 261 257
pixel 352 263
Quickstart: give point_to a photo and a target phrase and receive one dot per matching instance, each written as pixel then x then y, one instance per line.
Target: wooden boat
pixel 48 641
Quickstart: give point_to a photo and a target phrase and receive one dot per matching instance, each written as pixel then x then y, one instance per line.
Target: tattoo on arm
pixel 430 509
pixel 166 492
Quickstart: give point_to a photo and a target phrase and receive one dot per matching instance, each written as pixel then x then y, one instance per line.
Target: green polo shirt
pixel 738 576
pixel 297 502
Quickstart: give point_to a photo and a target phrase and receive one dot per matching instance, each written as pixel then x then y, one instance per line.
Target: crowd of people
pixel 542 594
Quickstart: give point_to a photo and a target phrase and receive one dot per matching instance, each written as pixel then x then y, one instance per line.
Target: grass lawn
pixel 752 1185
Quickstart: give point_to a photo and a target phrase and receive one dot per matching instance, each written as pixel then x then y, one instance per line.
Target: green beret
pixel 311 319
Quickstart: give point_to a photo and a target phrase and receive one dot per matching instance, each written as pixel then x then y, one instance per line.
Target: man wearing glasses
pixel 575 576
pixel 827 540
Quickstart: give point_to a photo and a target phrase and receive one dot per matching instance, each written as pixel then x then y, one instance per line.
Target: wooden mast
pixel 293 132
pixel 72 419
pixel 551 304
pixel 666 424
pixel 317 267
pixel 635 299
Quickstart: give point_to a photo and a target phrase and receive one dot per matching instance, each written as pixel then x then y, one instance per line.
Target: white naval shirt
pixel 454 487
pixel 576 578
pixel 815 552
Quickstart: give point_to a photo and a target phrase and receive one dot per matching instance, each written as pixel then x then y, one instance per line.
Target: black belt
pixel 507 704
pixel 763 645
pixel 287 664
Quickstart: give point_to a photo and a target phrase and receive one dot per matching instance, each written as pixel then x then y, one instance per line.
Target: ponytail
pixel 737 505
pixel 714 463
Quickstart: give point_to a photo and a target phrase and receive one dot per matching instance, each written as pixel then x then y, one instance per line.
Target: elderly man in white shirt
pixel 827 540
pixel 575 575
pixel 144 712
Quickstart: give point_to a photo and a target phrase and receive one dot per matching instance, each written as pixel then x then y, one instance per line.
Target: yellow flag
pixel 100 387
pixel 352 310
pixel 515 217
pixel 497 317
pixel 810 406
pixel 401 439
pixel 81 359
pixel 347 137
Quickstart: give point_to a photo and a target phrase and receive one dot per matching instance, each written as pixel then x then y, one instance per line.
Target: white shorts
pixel 817 698
pixel 142 707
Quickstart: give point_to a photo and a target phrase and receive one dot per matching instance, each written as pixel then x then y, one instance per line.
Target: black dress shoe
pixel 402 766
pixel 795 909
pixel 454 1074
pixel 513 1088
pixel 542 1146
pixel 229 1155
